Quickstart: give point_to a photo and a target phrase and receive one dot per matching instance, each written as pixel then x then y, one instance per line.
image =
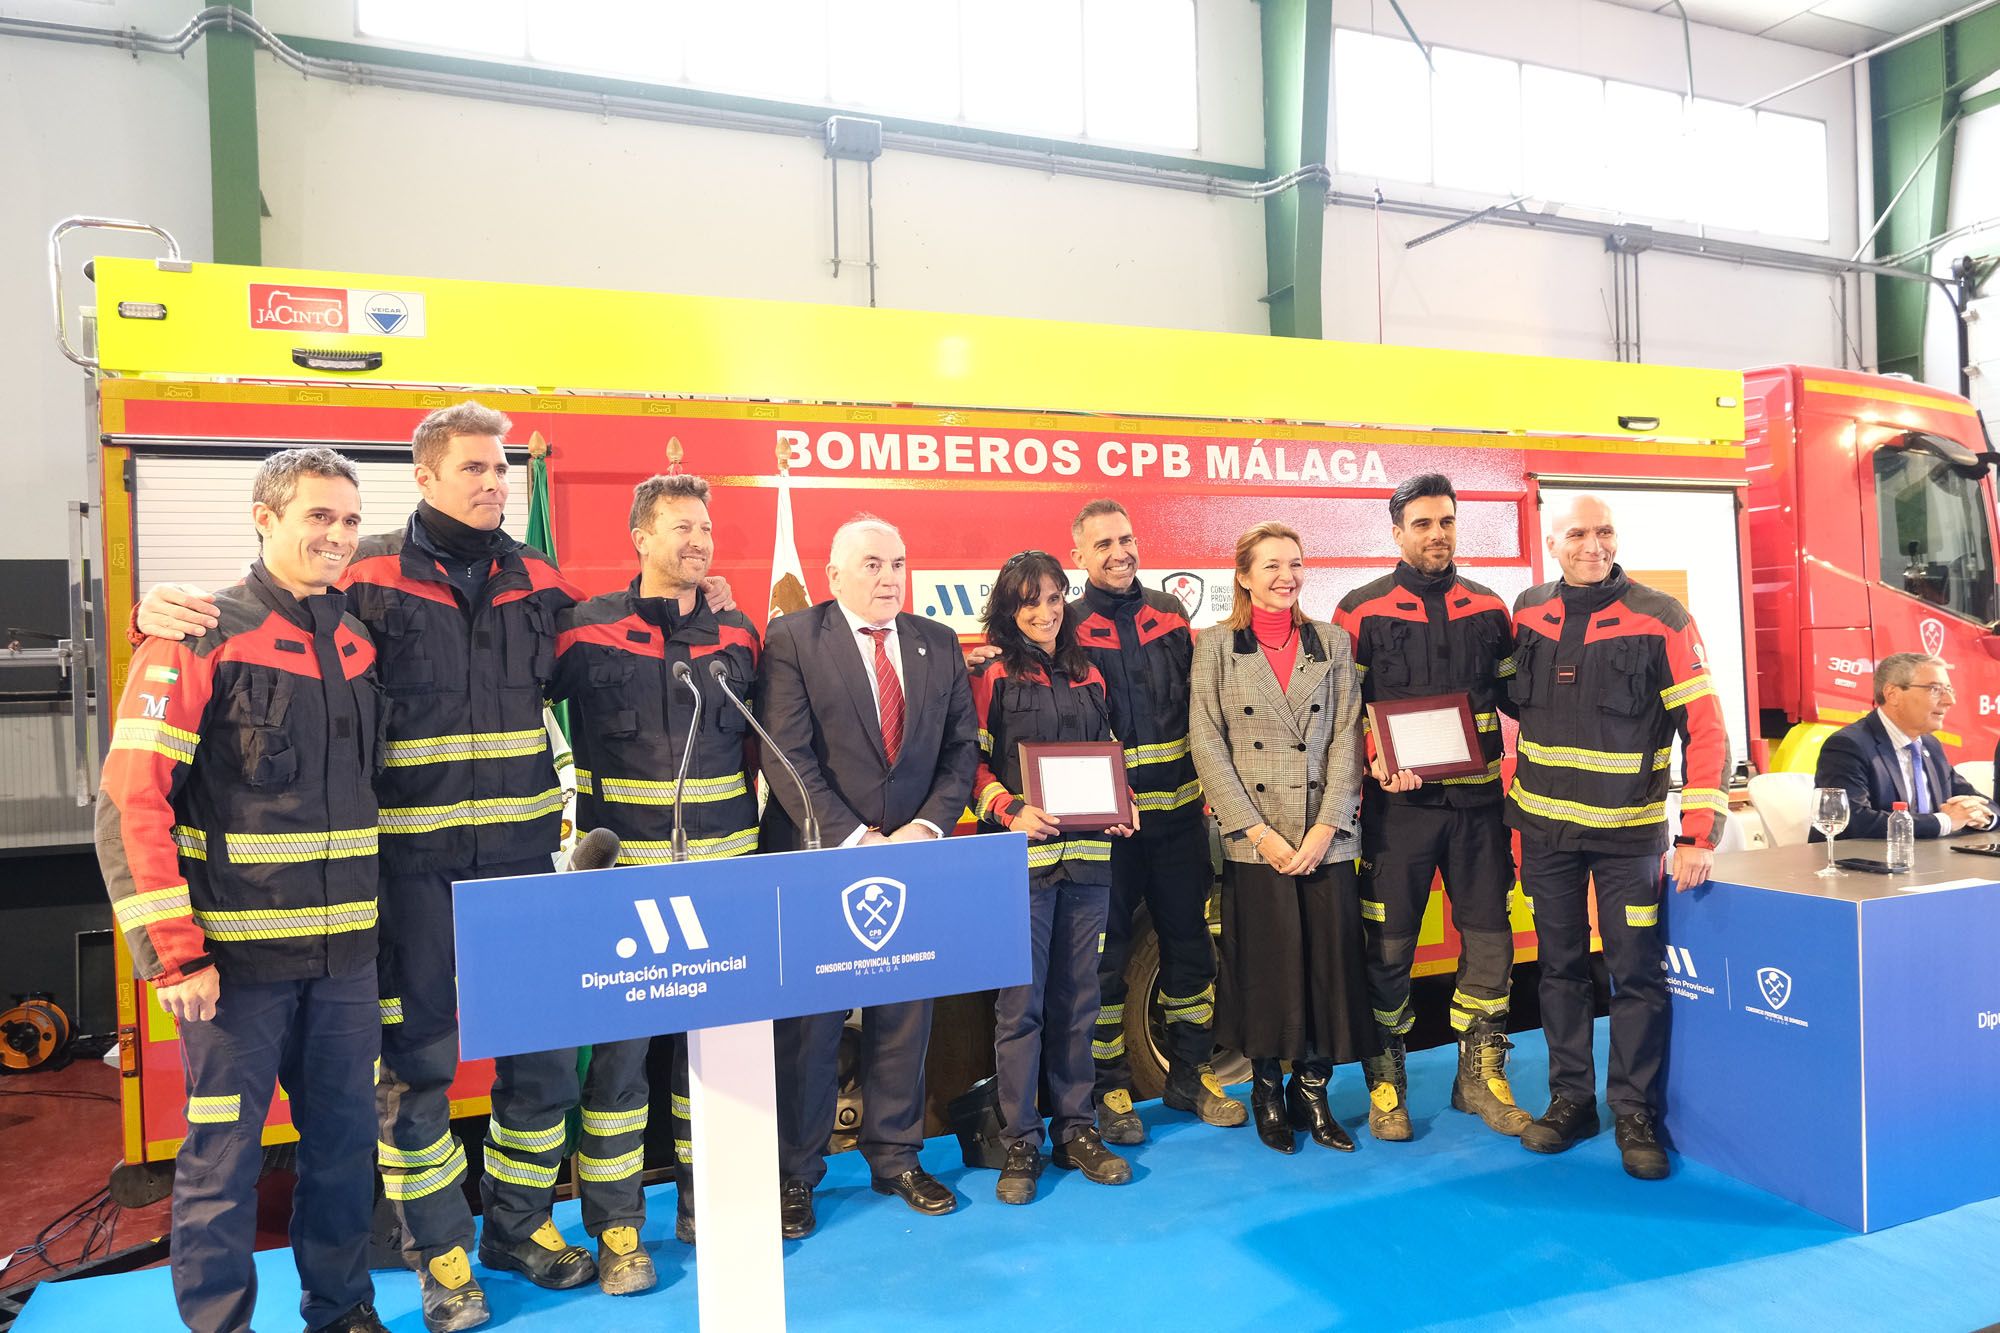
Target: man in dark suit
pixel 1890 755
pixel 873 707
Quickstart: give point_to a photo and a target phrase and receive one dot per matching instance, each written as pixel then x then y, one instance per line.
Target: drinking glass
pixel 1829 816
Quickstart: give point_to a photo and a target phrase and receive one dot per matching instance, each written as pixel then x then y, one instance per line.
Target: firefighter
pixel 237 836
pixel 1607 672
pixel 1420 630
pixel 1139 640
pixel 1043 688
pixel 615 660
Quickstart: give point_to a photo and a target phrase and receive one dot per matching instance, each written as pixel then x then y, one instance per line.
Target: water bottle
pixel 1902 837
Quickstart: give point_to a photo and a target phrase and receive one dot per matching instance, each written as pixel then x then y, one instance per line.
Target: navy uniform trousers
pixel 1164 865
pixel 423 1164
pixel 318 1038
pixel 1044 1027
pixel 1628 921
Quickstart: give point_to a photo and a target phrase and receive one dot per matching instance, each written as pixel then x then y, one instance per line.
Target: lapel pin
pixel 921 650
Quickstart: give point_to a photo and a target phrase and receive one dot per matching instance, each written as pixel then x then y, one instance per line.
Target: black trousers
pixel 319 1039
pixel 894 1038
pixel 1628 921
pixel 1044 1027
pixel 1165 866
pixel 1404 847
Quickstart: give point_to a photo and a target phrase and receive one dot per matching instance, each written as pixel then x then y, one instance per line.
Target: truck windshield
pixel 1935 540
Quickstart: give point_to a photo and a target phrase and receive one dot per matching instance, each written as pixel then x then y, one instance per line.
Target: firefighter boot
pixel 452 1298
pixel 545 1259
pixel 1481 1087
pixel 1196 1088
pixel 1117 1122
pixel 1388 1090
pixel 623 1266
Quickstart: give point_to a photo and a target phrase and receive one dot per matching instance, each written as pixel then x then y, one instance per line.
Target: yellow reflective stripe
pixel 1486 721
pixel 649 853
pixel 683 1151
pixel 1045 854
pixel 468 746
pixel 1197 1008
pixel 1491 774
pixel 1643 916
pixel 498 809
pixel 1507 667
pixel 1159 752
pixel 193 843
pixel 991 796
pixel 1374 911
pixel 1705 798
pixel 650 791
pixel 1108 1050
pixel 393 1158
pixel 402 1185
pixel 1591 816
pixel 1111 1013
pixel 284 848
pixel 1460 1020
pixel 610 1168
pixel 1361 669
pixel 1677 696
pixel 134 733
pixel 1594 761
pixel 392 1011
pixel 1185 794
pixel 215 1110
pixel 502 1135
pixel 284 923
pixel 681 1106
pixel 985 741
pixel 142 909
pixel 502 1167
pixel 1464 1001
pixel 604 1123
pixel 1397 1019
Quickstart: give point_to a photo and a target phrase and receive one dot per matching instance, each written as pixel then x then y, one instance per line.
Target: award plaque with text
pixel 1082 783
pixel 1433 737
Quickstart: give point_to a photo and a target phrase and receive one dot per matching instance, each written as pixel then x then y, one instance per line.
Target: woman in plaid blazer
pixel 1275 725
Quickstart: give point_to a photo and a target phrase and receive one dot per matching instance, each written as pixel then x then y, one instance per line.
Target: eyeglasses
pixel 1938 689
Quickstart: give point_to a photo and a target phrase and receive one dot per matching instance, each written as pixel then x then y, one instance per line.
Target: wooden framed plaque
pixel 1082 783
pixel 1434 737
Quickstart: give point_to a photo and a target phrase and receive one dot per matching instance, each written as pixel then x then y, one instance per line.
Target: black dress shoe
pixel 1018 1176
pixel 1267 1108
pixel 1086 1152
pixel 919 1189
pixel 1306 1108
pixel 1564 1125
pixel 361 1319
pixel 795 1209
pixel 1643 1157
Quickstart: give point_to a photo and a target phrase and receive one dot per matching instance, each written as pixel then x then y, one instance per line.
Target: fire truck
pixel 1813 519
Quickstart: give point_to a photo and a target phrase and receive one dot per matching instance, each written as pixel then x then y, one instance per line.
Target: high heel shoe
pixel 1267 1106
pixel 1306 1108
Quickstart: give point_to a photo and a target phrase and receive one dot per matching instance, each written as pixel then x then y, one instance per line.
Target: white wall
pixel 88 130
pixel 1975 198
pixel 1493 288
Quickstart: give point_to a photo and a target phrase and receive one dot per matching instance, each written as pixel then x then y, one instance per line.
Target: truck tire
pixel 1146 1025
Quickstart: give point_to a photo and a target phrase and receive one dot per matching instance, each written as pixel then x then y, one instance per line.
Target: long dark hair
pixel 1018 584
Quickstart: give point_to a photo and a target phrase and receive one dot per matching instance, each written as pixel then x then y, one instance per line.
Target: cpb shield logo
pixel 1931 629
pixel 874 908
pixel 1776 985
pixel 1187 588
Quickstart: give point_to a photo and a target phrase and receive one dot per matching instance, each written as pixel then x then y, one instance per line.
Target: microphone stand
pixel 678 850
pixel 721 674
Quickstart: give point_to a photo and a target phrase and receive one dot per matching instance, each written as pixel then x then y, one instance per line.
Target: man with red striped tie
pixel 872 706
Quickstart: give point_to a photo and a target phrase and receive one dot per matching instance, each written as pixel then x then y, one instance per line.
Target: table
pixel 1837 1041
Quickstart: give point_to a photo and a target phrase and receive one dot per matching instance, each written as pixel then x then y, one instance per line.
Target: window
pixel 1497 127
pixel 1932 522
pixel 1121 71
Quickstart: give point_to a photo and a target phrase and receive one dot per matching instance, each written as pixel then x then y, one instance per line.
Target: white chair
pixel 1784 802
pixel 1735 837
pixel 1979 772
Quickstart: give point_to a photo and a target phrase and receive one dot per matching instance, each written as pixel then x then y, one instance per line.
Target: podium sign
pixel 548 961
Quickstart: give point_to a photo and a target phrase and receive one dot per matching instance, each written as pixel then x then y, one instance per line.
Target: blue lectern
pixel 718 949
pixel 1836 1041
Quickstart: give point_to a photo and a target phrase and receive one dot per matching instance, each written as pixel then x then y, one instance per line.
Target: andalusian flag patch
pixel 164 675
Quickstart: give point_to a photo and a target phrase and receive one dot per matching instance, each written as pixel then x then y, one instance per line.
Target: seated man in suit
pixel 1890 755
pixel 872 705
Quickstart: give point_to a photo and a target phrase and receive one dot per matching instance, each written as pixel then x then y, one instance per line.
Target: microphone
pixel 679 849
pixel 721 674
pixel 595 850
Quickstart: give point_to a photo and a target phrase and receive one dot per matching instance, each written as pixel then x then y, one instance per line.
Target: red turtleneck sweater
pixel 1279 639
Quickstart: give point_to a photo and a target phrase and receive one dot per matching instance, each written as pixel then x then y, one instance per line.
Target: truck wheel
pixel 1146 1025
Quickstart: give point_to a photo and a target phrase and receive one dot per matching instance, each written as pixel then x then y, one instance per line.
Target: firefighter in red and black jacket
pixel 1041 687
pixel 1606 673
pixel 464 622
pixel 616 659
pixel 237 835
pixel 1421 630
pixel 1139 641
